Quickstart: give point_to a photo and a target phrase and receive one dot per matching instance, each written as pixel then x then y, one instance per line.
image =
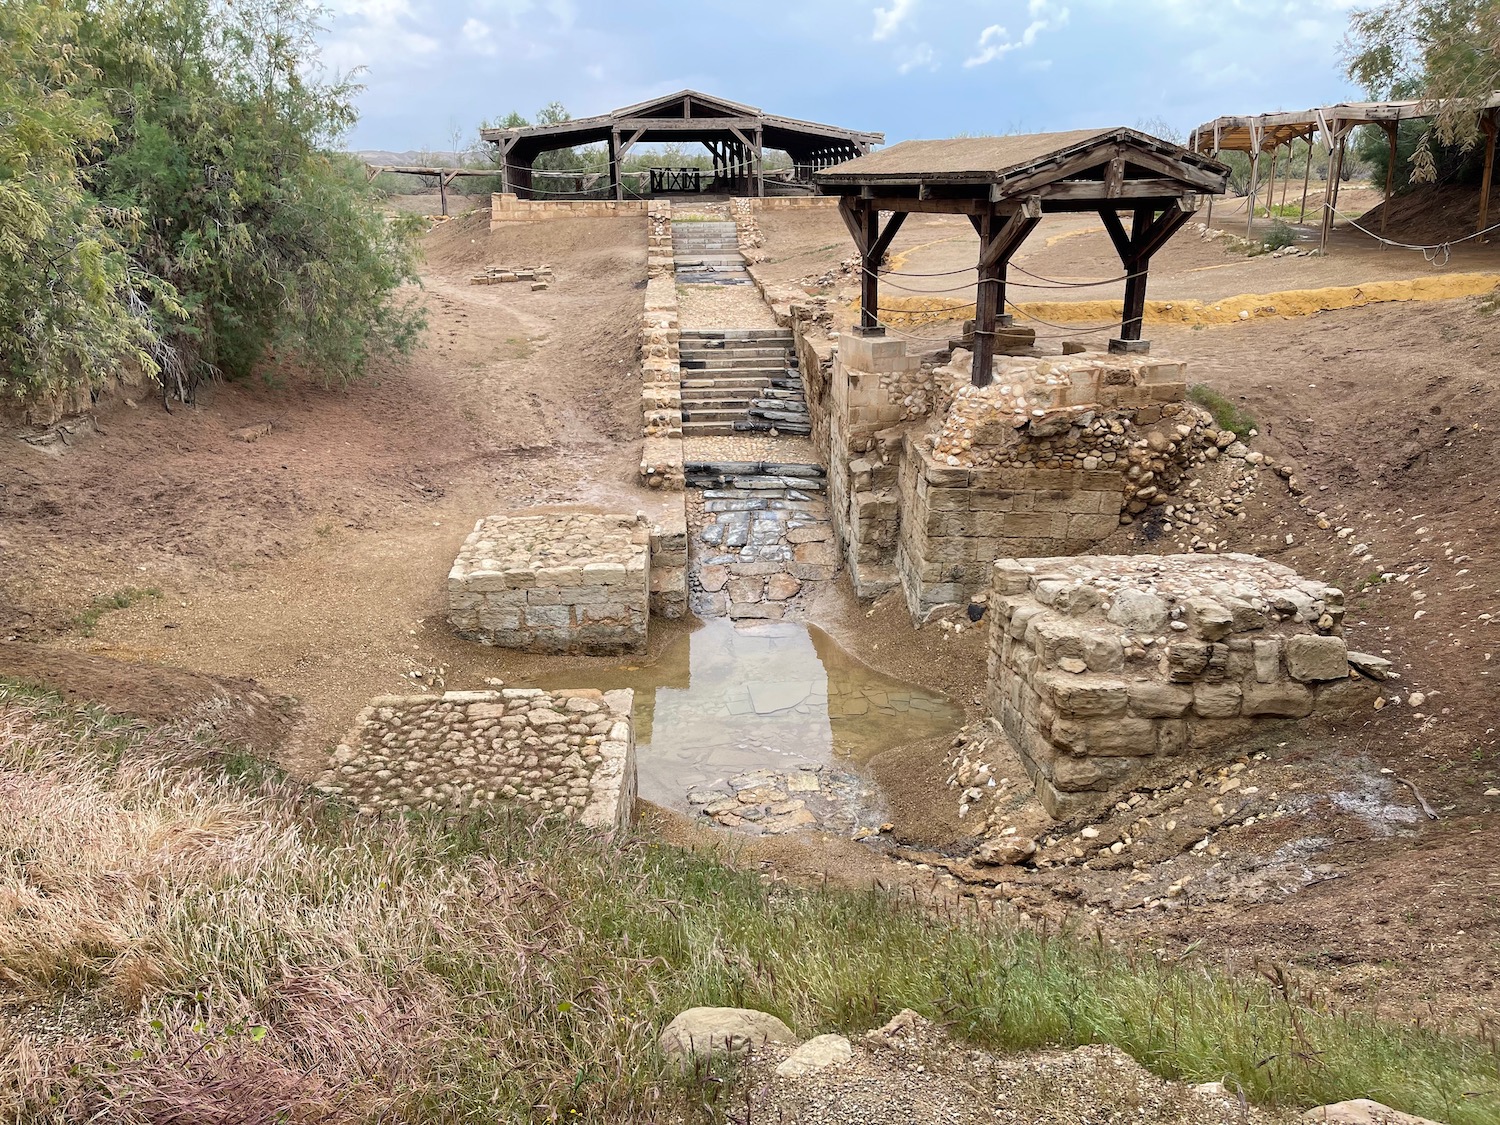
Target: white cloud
pixel 887 20
pixel 479 37
pixel 994 41
pixel 919 57
pixel 366 32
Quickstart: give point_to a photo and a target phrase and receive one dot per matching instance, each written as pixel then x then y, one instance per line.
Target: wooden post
pixel 443 192
pixel 1331 189
pixel 1271 184
pixel 998 242
pixel 1488 122
pixel 760 163
pixel 1306 174
pixel 616 188
pixel 863 221
pixel 1286 178
pixel 1149 232
pixel 1250 198
pixel 1390 177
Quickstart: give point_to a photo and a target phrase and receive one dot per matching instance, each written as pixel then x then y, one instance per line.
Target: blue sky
pixel 909 68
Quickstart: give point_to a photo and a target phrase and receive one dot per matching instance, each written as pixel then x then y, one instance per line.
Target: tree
pixel 1448 49
pixel 69 303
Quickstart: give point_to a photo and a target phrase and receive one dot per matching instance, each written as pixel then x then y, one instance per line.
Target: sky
pixel 908 68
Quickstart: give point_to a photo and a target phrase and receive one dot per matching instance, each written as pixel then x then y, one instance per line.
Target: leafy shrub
pixel 1278 237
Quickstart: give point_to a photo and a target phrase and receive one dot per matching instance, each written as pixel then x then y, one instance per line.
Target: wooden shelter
pixel 1267 132
pixel 735 135
pixel 1004 185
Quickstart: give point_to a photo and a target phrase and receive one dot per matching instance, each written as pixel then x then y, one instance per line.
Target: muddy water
pixel 730 699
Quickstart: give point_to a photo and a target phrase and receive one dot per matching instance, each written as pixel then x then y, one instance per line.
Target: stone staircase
pixel 708 253
pixel 738 380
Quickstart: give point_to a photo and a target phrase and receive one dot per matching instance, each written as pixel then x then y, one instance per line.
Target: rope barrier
pixel 1437 254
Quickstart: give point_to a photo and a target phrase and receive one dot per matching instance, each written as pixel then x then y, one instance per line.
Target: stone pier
pixel 569 582
pixel 1111 672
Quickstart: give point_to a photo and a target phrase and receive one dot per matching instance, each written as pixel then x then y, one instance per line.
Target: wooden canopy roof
pixel 1263 132
pixel 1080 170
pixel 687 115
pixel 1004 185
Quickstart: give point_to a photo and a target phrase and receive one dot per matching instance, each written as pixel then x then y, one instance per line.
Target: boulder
pixel 816 1054
pixel 1004 851
pixel 1362 1111
pixel 703 1032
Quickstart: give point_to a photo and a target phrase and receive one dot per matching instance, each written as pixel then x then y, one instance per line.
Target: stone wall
pixel 955 522
pixel 661 361
pixel 931 479
pixel 669 561
pixel 794 202
pixel 511 209
pixel 1111 672
pixel 567 754
pixel 573 582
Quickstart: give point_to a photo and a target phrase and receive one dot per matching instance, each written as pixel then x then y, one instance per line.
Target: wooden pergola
pixel 735 135
pixel 1004 185
pixel 1267 132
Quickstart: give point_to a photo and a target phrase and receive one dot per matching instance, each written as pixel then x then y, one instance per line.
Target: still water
pixel 728 699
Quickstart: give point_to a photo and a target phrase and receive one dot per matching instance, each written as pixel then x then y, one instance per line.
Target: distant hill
pixel 413 157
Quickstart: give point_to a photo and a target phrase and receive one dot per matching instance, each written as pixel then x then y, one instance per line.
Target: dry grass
pixel 185 936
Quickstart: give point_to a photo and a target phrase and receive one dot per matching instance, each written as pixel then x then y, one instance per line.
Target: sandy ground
pixel 312 560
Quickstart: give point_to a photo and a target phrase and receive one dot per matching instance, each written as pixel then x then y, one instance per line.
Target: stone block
pixel 1282 700
pixel 1313 659
pixel 1216 701
pixel 1151 699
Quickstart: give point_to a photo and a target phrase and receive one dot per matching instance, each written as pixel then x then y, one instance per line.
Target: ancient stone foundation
pixel 931 478
pixel 1111 672
pixel 567 754
pixel 574 582
pixel 511 209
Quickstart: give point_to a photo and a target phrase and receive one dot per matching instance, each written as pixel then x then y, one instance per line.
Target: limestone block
pixel 1112 737
pixel 1083 695
pixel 1216 701
pixel 1311 658
pixel 1208 619
pixel 1151 699
pixel 1138 611
pixel 1282 699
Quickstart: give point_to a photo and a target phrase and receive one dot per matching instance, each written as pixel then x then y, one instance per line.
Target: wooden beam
pixel 1490 129
pixel 883 242
pixel 1330 189
pixel 998 242
pixel 1306 179
pixel 1390 177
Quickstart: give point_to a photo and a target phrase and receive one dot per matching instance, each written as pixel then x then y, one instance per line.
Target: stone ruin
pixel 568 754
pixel 1111 672
pixel 540 277
pixel 931 478
pixel 571 582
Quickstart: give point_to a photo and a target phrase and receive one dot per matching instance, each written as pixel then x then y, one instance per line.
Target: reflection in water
pixel 727 699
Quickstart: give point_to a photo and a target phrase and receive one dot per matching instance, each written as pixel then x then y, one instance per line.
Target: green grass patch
pixel 1227 416
pixel 87 621
pixel 480 969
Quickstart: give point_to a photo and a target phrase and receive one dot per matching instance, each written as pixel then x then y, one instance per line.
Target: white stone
pixel 816 1054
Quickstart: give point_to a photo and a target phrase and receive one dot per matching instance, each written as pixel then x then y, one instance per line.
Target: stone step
pixel 739 349
pixel 732 363
pixel 746 395
pixel 711 414
pixel 800 469
pixel 777 407
pixel 753 482
pixel 781 335
pixel 707 429
pixel 765 426
pixel 739 381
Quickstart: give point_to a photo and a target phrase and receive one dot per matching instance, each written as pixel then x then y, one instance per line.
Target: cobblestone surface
pixel 567 753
